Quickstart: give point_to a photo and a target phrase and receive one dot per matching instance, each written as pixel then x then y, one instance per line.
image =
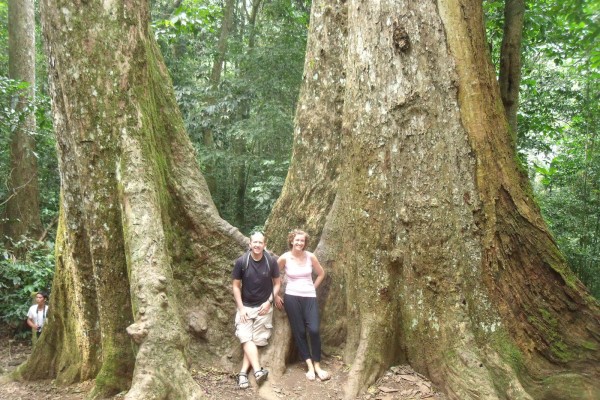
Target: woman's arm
pixel 318 270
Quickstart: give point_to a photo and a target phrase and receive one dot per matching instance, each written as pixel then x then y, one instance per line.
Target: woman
pixel 300 300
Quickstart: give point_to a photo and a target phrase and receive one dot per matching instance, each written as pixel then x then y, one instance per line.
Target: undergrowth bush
pixel 20 279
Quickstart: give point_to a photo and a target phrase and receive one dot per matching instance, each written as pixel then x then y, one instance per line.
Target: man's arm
pixel 30 322
pixel 237 295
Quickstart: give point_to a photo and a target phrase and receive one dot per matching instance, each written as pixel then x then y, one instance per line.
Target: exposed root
pixel 365 370
pixel 275 355
pixel 164 384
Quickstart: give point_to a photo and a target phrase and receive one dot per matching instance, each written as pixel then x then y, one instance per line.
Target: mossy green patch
pixel 589 345
pixel 547 325
pixel 508 350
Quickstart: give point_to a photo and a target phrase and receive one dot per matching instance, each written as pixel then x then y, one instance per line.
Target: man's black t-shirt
pixel 257 284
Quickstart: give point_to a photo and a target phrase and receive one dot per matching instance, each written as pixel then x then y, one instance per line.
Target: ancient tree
pixel 22 207
pixel 143 259
pixel 436 250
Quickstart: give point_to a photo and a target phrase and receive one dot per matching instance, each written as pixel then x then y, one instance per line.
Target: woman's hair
pixel 295 233
pixel 43 294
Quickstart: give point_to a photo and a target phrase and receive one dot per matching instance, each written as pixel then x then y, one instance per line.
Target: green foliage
pixel 9 117
pixel 195 18
pixel 558 131
pixel 558 121
pixel 4 36
pixel 45 145
pixel 265 191
pixel 21 279
pixel 248 113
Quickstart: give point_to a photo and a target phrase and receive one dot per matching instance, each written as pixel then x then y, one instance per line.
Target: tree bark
pixel 510 60
pixel 312 180
pixel 252 23
pixel 226 26
pixel 436 251
pixel 22 207
pixel 142 254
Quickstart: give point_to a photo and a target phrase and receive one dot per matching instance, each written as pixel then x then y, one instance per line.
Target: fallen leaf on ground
pixel 409 378
pixel 387 389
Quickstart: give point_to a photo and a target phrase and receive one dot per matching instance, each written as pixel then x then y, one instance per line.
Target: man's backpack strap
pixel 245 267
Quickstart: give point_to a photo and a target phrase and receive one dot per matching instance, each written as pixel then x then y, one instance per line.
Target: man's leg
pixel 250 356
pixel 245 363
pixel 244 332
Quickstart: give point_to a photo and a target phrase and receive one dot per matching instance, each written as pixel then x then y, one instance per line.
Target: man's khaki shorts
pixel 257 327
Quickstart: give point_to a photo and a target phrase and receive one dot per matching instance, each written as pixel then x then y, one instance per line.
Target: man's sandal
pixel 261 375
pixel 243 381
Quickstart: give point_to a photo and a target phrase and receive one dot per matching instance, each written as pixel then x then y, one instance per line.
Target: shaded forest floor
pixel 399 383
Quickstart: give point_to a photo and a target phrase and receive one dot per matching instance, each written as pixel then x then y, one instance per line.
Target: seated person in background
pixel 36 317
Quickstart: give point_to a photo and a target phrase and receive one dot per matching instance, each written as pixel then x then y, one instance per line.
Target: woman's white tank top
pixel 299 278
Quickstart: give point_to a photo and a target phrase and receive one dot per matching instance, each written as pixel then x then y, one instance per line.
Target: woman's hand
pixel 279 302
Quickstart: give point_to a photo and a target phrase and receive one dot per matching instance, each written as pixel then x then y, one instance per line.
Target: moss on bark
pixel 136 215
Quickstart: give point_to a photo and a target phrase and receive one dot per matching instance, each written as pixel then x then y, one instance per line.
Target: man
pixel 255 279
pixel 36 316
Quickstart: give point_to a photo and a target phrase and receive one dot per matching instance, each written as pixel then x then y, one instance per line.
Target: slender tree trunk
pixel 215 79
pixel 436 251
pixel 252 22
pixel 222 45
pixel 240 171
pixel 22 208
pixel 510 59
pixel 142 255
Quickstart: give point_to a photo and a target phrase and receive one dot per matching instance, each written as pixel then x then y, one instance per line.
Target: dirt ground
pixel 400 382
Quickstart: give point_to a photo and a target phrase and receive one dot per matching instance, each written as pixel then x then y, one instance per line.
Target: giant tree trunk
pixel 141 252
pixel 510 59
pixel 311 183
pixel 22 208
pixel 436 250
